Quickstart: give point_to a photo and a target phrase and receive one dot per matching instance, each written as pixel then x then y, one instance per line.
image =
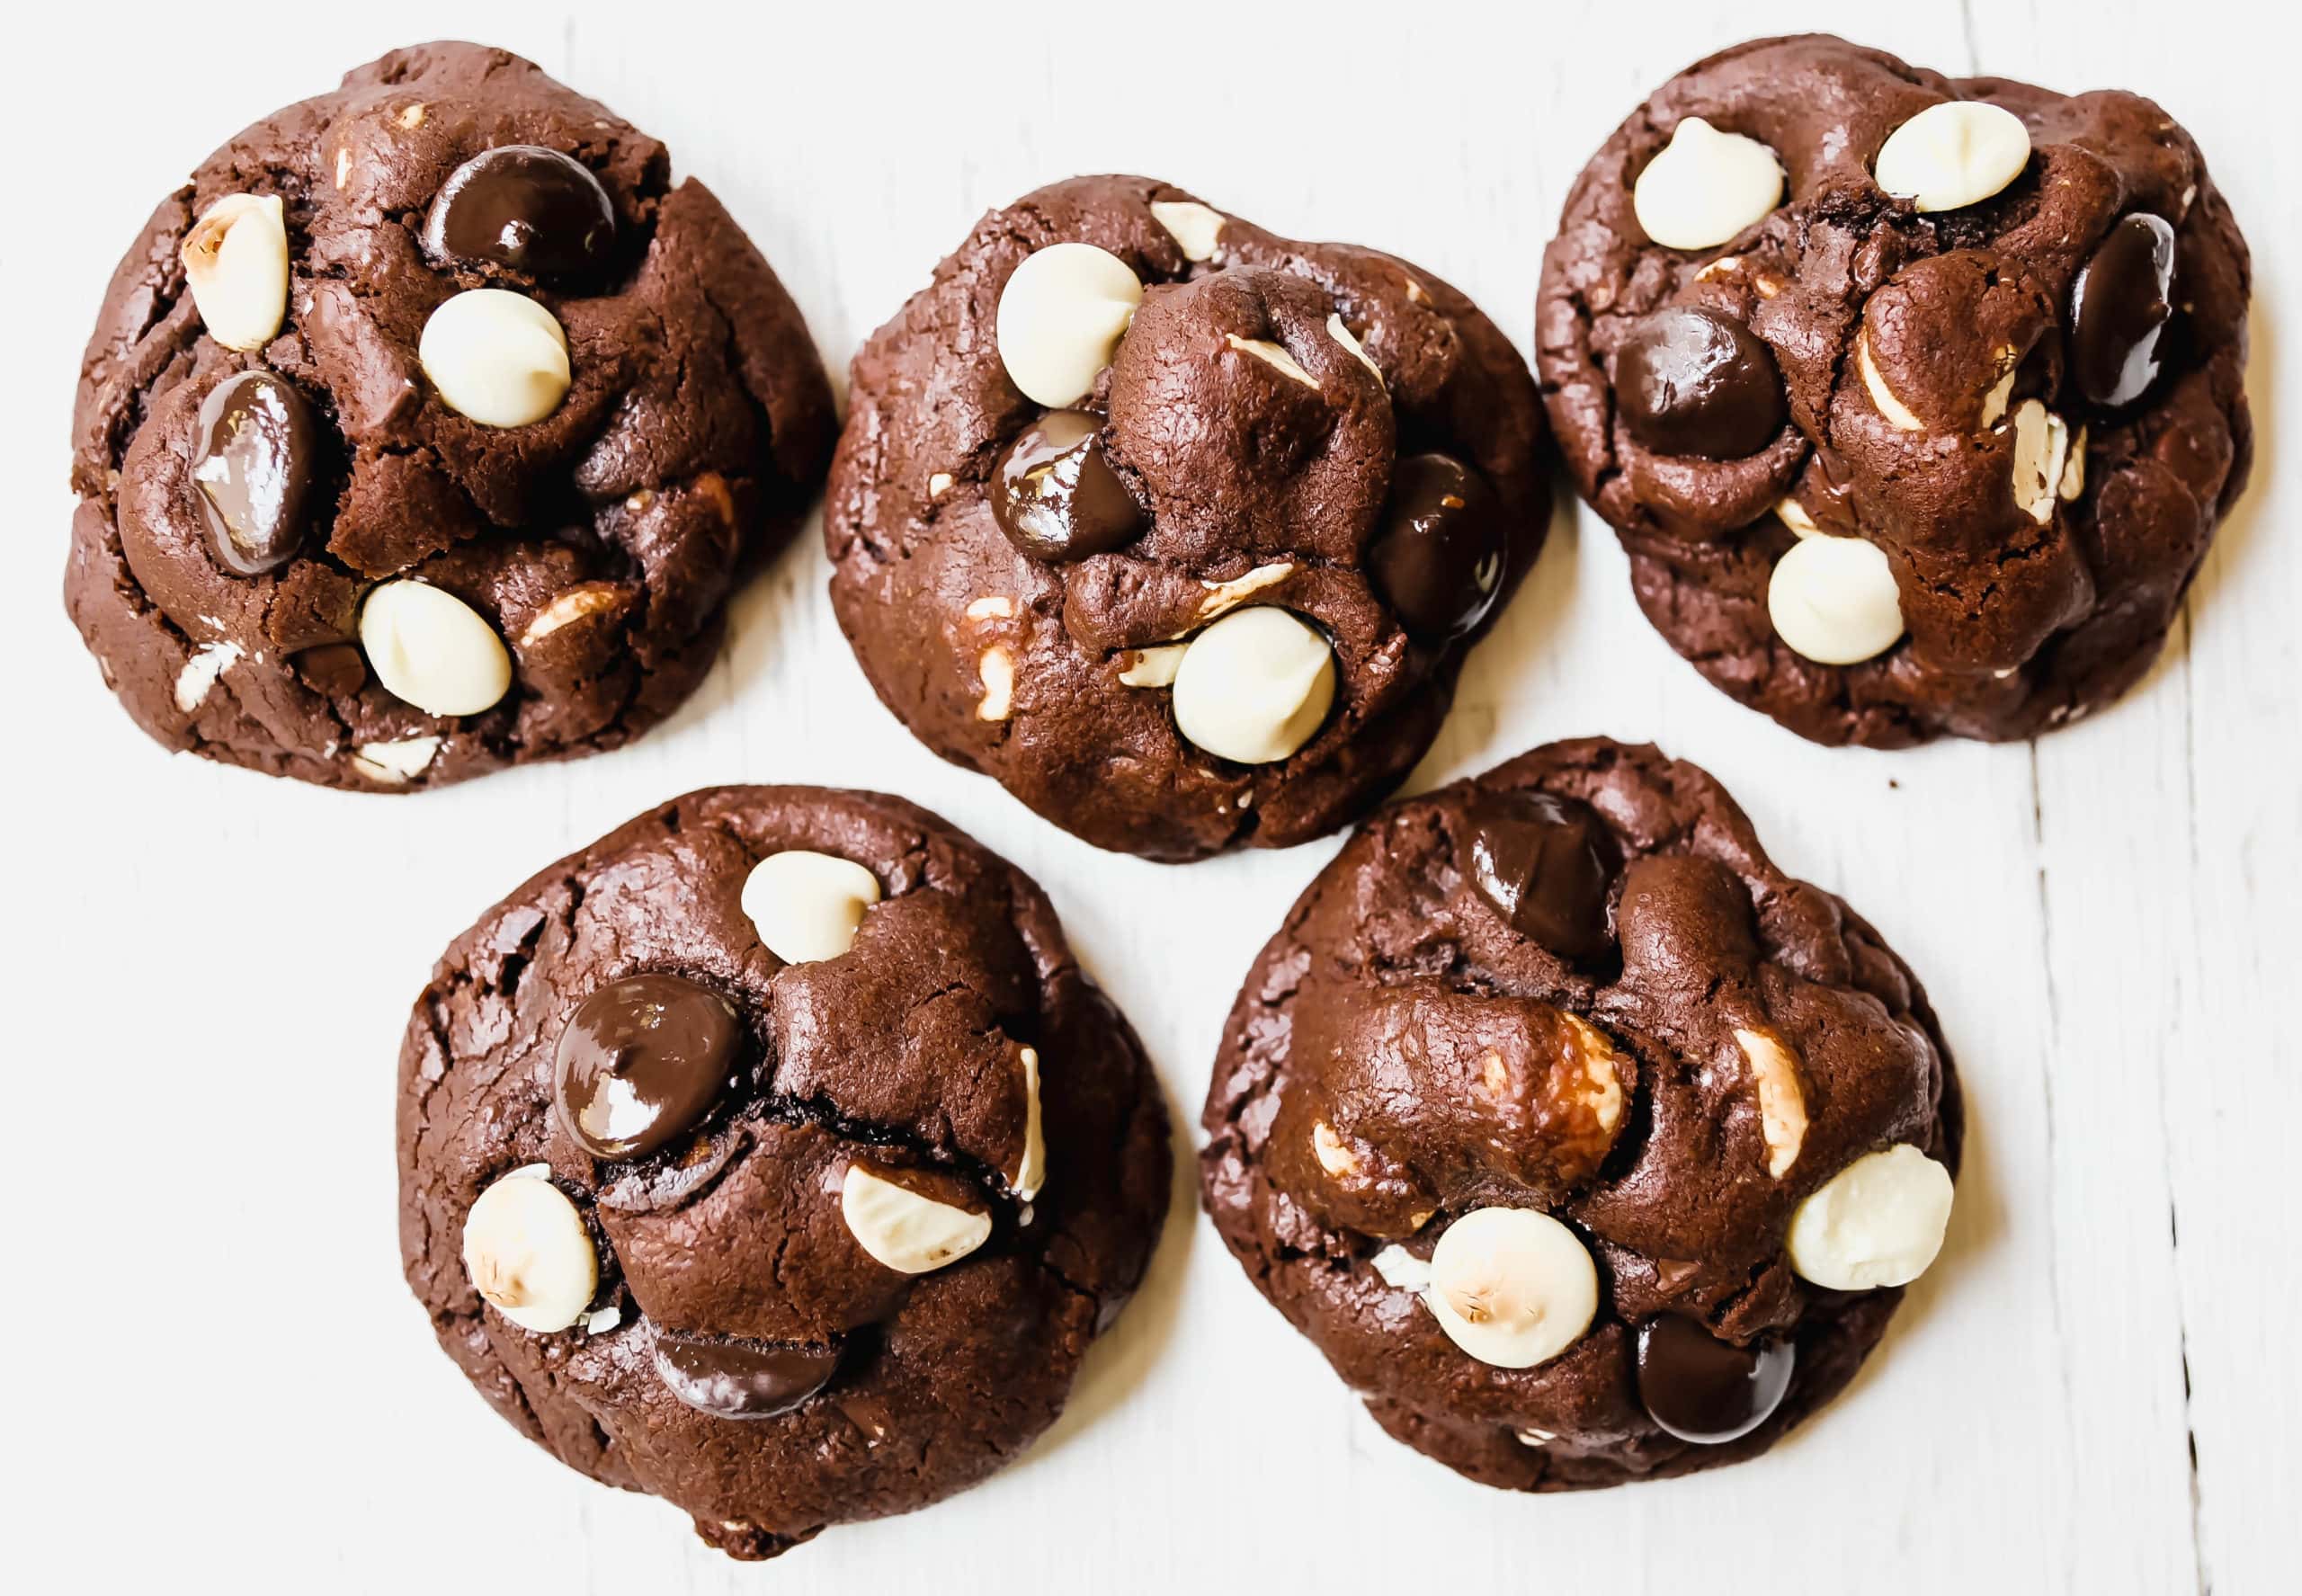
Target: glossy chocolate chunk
pixel 732 1379
pixel 1055 495
pixel 1544 863
pixel 254 450
pixel 642 1060
pixel 1438 560
pixel 525 207
pixel 1692 381
pixel 1706 1390
pixel 2119 308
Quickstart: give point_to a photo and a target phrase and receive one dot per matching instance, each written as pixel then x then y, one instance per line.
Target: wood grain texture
pixel 214 1364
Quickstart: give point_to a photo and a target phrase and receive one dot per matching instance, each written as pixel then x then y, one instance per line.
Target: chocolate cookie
pixel 1915 401
pixel 1586 1145
pixel 426 432
pixel 1177 528
pixel 772 1155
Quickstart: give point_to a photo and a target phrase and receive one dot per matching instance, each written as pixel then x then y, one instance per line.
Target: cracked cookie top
pixel 1915 401
pixel 772 1155
pixel 1584 1143
pixel 1178 528
pixel 427 429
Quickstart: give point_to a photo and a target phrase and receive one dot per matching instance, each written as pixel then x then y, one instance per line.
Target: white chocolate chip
pixel 1833 600
pixel 208 662
pixel 1154 667
pixel 996 668
pixel 1724 266
pixel 1060 317
pixel 1783 1102
pixel 1402 1271
pixel 1270 354
pixel 805 906
pixel 2074 471
pixel 938 484
pixel 395 763
pixel 411 117
pixel 527 1252
pixel 1511 1287
pixel 2041 450
pixel 1031 1172
pixel 607 1318
pixel 236 264
pixel 1328 1149
pixel 570 607
pixel 1705 187
pixel 1958 153
pixel 1536 1437
pixel 910 1233
pixel 991 606
pixel 1995 401
pixel 1224 596
pixel 1255 686
pixel 1193 227
pixel 1793 514
pixel 343 164
pixel 1883 397
pixel 1342 334
pixel 495 356
pixel 430 649
pixel 1878 1222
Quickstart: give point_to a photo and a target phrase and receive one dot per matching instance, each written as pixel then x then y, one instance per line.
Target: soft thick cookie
pixel 1586 1145
pixel 1176 527
pixel 1915 401
pixel 427 430
pixel 772 1155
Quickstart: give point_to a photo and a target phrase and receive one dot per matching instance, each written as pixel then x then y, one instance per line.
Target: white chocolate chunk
pixel 1402 1271
pixel 528 1253
pixel 1959 153
pixel 1343 335
pixel 1995 401
pixel 910 1233
pixel 208 662
pixel 1883 397
pixel 236 264
pixel 1255 686
pixel 1783 1102
pixel 1833 600
pixel 996 668
pixel 567 609
pixel 1511 1287
pixel 1031 1171
pixel 993 606
pixel 1193 227
pixel 430 649
pixel 1793 514
pixel 1878 1222
pixel 806 905
pixel 1154 667
pixel 1060 317
pixel 1327 1147
pixel 495 356
pixel 1705 187
pixel 397 761
pixel 2074 470
pixel 1270 354
pixel 2041 449
pixel 1223 596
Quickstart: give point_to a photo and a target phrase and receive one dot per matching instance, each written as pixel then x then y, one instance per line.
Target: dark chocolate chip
pixel 1544 864
pixel 333 669
pixel 732 1379
pixel 2119 308
pixel 525 207
pixel 1692 381
pixel 1438 560
pixel 254 456
pixel 643 1060
pixel 1706 1390
pixel 1055 495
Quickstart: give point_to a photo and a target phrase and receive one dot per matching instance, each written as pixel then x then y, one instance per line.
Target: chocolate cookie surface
pixel 427 429
pixel 1178 529
pixel 1586 1145
pixel 772 1155
pixel 1914 401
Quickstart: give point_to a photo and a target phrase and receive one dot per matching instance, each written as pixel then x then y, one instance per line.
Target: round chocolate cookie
pixel 1586 1144
pixel 1178 529
pixel 772 1155
pixel 427 429
pixel 1915 401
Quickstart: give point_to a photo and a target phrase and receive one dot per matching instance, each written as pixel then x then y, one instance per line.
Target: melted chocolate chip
pixel 1544 864
pixel 741 1380
pixel 1055 495
pixel 254 450
pixel 525 207
pixel 2119 306
pixel 1692 381
pixel 1703 1389
pixel 643 1060
pixel 1438 561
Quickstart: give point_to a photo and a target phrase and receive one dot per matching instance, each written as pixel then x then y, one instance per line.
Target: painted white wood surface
pixel 213 1369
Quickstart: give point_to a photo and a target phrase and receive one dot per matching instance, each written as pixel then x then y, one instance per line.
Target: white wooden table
pixel 213 1369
